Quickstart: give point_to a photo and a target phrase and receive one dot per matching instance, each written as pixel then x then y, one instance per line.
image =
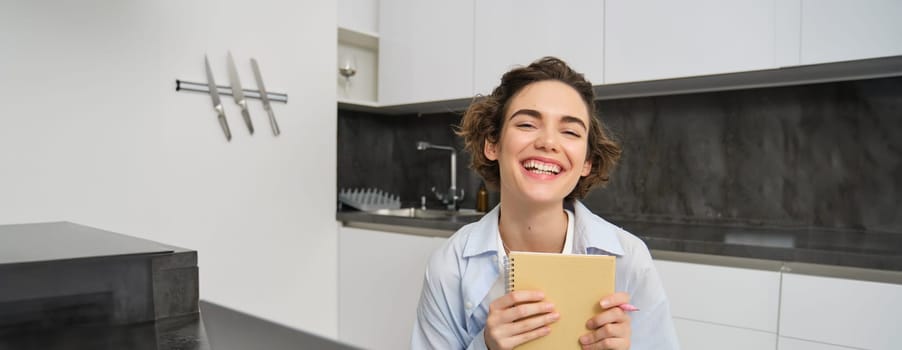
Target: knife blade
pixel 217 104
pixel 238 94
pixel 265 98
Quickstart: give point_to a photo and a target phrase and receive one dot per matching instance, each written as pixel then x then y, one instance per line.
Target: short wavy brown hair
pixel 484 120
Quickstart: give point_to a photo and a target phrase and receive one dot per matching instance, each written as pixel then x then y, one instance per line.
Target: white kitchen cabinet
pixel 361 87
pixel 425 51
pixel 858 314
pixel 730 296
pixel 358 47
pixel 785 343
pixel 695 335
pixel 513 32
pixel 359 15
pixel 380 277
pixel 841 30
pixel 659 39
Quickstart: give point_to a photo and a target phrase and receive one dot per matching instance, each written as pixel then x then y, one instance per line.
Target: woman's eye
pixel 572 133
pixel 525 125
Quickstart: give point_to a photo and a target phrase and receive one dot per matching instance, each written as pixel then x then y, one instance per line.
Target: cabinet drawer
pixel 731 296
pixel 859 314
pixel 794 344
pixel 695 335
pixel 380 276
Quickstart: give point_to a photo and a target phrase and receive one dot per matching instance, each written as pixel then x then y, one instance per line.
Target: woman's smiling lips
pixel 541 168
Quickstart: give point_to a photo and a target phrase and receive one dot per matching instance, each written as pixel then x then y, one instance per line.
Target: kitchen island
pixel 69 286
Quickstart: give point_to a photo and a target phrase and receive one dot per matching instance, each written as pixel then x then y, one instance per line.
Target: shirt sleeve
pixel 434 326
pixel 652 326
pixel 478 342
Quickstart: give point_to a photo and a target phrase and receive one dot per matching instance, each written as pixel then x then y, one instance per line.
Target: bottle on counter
pixel 482 199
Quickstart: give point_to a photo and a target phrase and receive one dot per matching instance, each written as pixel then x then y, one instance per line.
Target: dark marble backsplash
pixel 824 155
pixel 380 151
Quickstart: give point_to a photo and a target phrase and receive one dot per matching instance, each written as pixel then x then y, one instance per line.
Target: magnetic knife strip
pixel 181 85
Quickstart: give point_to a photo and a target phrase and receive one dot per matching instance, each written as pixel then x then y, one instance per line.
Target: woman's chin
pixel 544 197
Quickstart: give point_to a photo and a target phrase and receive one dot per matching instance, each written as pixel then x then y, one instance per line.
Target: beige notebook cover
pixel 574 283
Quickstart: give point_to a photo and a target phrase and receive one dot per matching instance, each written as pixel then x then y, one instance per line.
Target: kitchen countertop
pixel 214 328
pixel 59 241
pixel 800 246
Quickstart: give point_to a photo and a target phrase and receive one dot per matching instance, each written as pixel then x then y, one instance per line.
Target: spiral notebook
pixel 574 283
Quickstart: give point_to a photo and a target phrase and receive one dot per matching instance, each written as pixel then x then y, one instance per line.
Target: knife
pixel 217 104
pixel 265 97
pixel 238 94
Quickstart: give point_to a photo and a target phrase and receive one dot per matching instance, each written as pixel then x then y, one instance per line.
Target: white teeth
pixel 540 167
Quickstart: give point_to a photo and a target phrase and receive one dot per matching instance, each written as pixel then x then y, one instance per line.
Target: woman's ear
pixel 587 168
pixel 489 150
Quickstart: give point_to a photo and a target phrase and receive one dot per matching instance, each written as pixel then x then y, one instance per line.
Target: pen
pixel 628 307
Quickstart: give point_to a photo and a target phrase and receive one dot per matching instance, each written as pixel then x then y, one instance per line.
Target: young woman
pixel 536 138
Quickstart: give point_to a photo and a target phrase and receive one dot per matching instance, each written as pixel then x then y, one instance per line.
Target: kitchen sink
pixel 427 213
pixel 773 240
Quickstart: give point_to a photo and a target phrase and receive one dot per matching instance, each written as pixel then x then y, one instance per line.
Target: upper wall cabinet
pixel 425 50
pixel 656 39
pixel 432 50
pixel 841 30
pixel 359 15
pixel 511 33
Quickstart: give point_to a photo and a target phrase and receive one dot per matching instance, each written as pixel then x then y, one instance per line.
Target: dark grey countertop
pixel 53 241
pixel 174 333
pixel 214 328
pixel 69 286
pixel 844 248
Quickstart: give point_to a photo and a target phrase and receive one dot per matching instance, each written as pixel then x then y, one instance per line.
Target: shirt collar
pixel 592 234
pixel 484 236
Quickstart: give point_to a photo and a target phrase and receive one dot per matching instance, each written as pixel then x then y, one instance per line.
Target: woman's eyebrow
pixel 530 112
pixel 538 115
pixel 574 120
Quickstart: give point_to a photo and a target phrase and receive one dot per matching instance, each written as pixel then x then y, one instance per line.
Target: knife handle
pixel 225 127
pixel 247 120
pixel 273 123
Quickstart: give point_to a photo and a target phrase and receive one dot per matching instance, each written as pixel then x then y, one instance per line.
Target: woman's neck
pixel 532 228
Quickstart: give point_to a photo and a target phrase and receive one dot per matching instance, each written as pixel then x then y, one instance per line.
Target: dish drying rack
pixel 369 199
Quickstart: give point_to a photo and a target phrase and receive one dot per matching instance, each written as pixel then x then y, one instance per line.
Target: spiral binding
pixel 509 273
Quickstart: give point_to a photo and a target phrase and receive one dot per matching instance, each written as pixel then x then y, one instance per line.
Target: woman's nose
pixel 547 140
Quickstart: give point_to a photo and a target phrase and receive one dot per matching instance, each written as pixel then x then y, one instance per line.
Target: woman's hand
pixel 610 328
pixel 516 318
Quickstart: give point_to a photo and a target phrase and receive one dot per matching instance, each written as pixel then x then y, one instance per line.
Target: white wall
pixel 92 131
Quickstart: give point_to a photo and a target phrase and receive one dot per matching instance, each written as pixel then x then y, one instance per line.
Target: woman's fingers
pixel 514 298
pixel 610 330
pixel 525 337
pixel 528 324
pixel 609 344
pixel 527 328
pixel 518 317
pixel 526 310
pixel 615 300
pixel 611 315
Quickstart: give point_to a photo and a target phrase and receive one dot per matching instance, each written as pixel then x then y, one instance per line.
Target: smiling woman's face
pixel 541 153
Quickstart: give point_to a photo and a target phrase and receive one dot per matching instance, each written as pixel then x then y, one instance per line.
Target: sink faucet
pixel 454 195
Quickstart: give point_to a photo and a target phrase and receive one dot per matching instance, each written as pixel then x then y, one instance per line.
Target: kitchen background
pixel 95 133
pixel 822 155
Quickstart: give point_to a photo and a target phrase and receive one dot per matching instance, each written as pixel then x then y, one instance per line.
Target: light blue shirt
pixel 454 304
